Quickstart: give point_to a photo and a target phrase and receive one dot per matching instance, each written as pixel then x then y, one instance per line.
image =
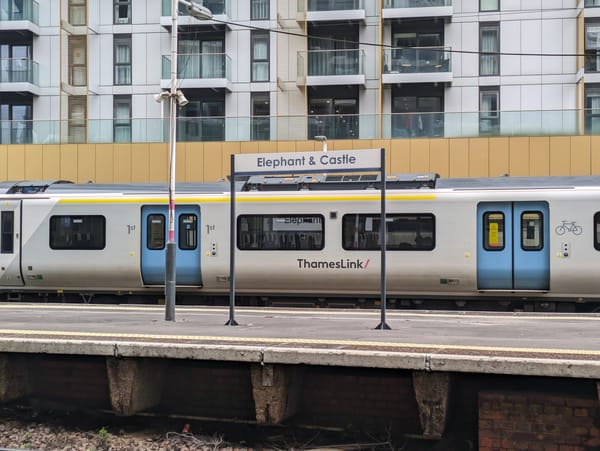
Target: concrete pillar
pixel 276 390
pixel 135 384
pixel 13 377
pixel 432 393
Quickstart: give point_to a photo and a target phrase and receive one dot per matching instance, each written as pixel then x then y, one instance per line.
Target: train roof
pixel 508 182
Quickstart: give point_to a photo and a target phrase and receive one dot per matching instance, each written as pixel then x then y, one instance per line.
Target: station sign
pixel 308 162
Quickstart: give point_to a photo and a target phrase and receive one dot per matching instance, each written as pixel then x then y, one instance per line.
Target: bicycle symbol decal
pixel 568 226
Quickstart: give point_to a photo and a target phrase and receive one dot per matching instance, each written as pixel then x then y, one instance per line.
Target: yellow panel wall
pixel 210 161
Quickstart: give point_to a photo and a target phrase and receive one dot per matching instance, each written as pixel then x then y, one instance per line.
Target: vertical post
pixel 232 236
pixel 170 263
pixel 383 241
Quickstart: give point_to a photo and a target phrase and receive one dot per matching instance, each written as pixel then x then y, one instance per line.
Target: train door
pixel 10 230
pixel 154 241
pixel 513 252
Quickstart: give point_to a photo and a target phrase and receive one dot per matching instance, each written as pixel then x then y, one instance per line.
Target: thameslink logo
pixel 303 263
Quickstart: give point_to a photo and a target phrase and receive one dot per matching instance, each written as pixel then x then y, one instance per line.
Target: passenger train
pixel 524 242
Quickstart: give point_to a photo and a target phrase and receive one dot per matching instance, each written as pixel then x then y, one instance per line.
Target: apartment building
pixel 87 71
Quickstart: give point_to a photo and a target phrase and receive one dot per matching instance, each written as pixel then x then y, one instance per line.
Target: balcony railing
pixel 29 10
pixel 216 7
pixel 198 66
pixel 417 60
pixel 19 70
pixel 332 62
pixel 416 3
pixel 591 3
pixel 295 128
pixel 331 5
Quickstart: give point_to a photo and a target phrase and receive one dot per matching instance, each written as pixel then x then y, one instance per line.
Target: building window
pixel 122 63
pixel 16 63
pixel 77 12
pixel 77 61
pixel 122 11
pixel 417 111
pixel 260 56
pixel 489 5
pixel 203 119
pixel 280 232
pixel 122 121
pixel 85 232
pixel 260 116
pixel 489 48
pixel 259 10
pixel 592 46
pixel 333 112
pixel 202 57
pixel 592 109
pixel 16 124
pixel 77 119
pixel 489 110
pixel 405 232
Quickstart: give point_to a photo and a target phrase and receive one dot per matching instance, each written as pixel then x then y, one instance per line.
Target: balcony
pixel 220 10
pixel 417 65
pixel 198 70
pixel 19 75
pixel 331 10
pixel 331 67
pixel 410 9
pixel 300 128
pixel 25 17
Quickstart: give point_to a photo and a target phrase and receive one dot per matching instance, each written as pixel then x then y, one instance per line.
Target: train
pixel 515 242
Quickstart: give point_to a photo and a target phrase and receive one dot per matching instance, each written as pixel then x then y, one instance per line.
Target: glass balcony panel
pixel 198 65
pixel 334 62
pixel 417 60
pixel 19 70
pixel 261 128
pixel 416 3
pixel 333 126
pixel 22 10
pixel 216 7
pixel 333 5
pixel 591 3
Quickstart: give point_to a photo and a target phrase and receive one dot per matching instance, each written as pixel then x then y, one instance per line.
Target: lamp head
pixel 181 99
pixel 161 96
pixel 321 138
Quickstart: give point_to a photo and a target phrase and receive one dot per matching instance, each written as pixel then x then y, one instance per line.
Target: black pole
pixel 232 234
pixel 383 241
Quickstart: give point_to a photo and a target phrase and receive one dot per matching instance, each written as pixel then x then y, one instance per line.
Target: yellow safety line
pixel 300 341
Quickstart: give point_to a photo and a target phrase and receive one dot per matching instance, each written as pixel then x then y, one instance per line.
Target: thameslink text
pixel 332 264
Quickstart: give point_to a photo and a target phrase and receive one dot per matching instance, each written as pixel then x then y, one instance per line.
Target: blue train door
pixel 513 252
pixel 154 240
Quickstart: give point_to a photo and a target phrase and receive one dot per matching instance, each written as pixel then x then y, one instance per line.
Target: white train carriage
pixel 504 238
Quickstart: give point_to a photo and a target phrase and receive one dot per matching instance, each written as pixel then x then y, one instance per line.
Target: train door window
pixel 156 232
pixel 280 232
pixel 7 221
pixel 404 232
pixel 532 238
pixel 188 232
pixel 597 231
pixel 78 232
pixel 493 231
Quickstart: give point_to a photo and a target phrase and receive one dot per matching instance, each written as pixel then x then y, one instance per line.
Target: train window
pixel 280 232
pixel 188 232
pixel 7 224
pixel 411 232
pixel 156 232
pixel 493 231
pixel 532 237
pixel 78 232
pixel 597 231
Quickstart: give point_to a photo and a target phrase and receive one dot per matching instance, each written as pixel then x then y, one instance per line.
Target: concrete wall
pixel 209 161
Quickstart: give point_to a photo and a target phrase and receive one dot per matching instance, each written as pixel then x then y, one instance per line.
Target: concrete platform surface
pixel 558 345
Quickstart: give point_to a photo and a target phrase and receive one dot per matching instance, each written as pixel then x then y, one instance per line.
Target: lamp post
pixel 176 98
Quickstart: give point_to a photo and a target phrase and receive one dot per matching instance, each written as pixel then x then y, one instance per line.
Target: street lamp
pixel 176 98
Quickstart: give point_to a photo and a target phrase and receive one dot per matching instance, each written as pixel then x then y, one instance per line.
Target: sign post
pixel 306 163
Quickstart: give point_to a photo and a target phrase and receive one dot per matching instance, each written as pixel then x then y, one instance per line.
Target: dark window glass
pixel 489 5
pixel 122 11
pixel 7 228
pixel 156 232
pixel 78 232
pixel 597 231
pixel 489 46
pixel 532 231
pixel 281 232
pixel 188 232
pixel 410 232
pixel 493 231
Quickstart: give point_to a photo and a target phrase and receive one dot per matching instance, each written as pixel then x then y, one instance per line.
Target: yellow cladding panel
pixel 51 162
pixel 209 161
pixel 479 157
pixel 539 156
pixel 560 155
